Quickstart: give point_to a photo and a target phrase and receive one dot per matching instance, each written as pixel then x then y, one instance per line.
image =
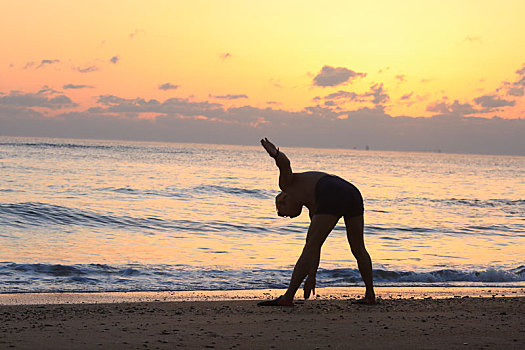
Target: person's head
pixel 287 206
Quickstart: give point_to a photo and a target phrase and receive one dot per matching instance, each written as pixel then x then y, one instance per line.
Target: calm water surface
pixel 79 215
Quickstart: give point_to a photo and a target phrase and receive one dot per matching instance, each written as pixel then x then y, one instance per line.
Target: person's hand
pixel 309 286
pixel 270 147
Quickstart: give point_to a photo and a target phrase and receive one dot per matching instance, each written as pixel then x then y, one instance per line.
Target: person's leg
pixel 354 232
pixel 320 227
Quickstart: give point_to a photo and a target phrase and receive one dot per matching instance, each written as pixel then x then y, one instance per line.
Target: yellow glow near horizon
pixel 457 49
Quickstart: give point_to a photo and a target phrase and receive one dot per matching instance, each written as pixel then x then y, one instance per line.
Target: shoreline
pixel 403 323
pixel 327 293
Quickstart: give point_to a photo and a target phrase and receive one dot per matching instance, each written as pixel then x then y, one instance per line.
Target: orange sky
pixel 423 53
pixel 318 74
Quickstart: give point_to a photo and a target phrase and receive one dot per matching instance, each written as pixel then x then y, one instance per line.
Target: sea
pixel 117 216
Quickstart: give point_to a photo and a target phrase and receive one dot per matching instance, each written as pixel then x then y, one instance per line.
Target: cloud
pixel 342 94
pixel 42 64
pixel 493 101
pixel 46 90
pixel 114 59
pixel 406 96
pixel 488 103
pixel 275 83
pixel 28 65
pixel 168 86
pixel 375 95
pixel 111 100
pixel 136 33
pixel 45 98
pixel 76 87
pixel 401 77
pixel 225 56
pixel 134 107
pixel 337 120
pixel 485 104
pixel 47 62
pixel 462 108
pixel 515 91
pixel 181 120
pixel 229 97
pixel 88 69
pixel 411 98
pixel 473 39
pixel 521 71
pixel 333 76
pixel 516 88
pixel 455 108
pixel 438 107
pixel 379 96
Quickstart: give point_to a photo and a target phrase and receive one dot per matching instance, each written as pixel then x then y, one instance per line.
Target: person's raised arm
pixel 282 162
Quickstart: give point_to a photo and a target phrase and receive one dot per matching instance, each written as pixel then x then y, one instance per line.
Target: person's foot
pixel 276 302
pixel 365 301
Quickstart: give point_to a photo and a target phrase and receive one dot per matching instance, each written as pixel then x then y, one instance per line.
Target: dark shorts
pixel 338 197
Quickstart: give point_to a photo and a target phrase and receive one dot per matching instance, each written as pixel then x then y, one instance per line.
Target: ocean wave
pixel 136 277
pixel 236 191
pixel 191 193
pixel 381 229
pixel 495 230
pixel 146 148
pixel 57 145
pixel 439 276
pixel 38 214
pixel 30 214
pixel 143 193
pixel 509 204
pixel 43 214
pixel 483 203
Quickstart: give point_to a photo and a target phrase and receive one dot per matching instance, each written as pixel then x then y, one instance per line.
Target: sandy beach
pixel 396 323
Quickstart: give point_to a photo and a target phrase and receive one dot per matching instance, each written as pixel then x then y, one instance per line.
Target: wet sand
pixel 404 323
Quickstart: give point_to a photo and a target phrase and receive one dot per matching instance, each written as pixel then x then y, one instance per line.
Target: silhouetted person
pixel 328 198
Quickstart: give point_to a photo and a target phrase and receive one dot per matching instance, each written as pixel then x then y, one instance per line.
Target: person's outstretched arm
pixel 282 162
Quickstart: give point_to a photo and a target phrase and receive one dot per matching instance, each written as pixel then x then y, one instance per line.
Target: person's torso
pixel 303 186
